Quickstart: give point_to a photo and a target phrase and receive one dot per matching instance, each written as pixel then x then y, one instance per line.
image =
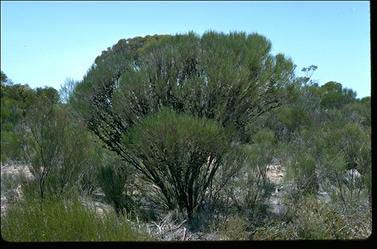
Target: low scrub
pixel 233 229
pixel 315 220
pixel 57 220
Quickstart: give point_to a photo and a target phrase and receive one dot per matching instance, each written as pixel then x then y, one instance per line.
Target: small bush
pixel 315 220
pixel 273 231
pixel 179 154
pixel 234 229
pixel 57 220
pixel 112 178
pixel 302 165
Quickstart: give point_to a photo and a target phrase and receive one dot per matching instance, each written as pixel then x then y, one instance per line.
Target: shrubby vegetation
pixel 59 220
pixel 212 131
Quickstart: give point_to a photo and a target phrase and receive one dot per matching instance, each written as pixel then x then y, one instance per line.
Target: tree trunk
pixel 41 188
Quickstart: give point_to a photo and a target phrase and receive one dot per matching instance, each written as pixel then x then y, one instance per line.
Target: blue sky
pixel 44 43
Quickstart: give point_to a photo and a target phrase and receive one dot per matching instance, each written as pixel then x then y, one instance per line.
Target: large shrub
pixel 55 144
pixel 231 78
pixel 226 78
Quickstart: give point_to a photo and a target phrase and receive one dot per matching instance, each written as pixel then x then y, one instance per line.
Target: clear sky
pixel 44 43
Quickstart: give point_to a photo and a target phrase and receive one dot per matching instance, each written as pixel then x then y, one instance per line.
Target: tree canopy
pixel 230 78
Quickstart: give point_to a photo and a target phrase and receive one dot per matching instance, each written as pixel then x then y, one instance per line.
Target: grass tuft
pixel 57 220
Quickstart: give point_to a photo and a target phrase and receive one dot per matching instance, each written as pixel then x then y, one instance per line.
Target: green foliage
pixel 261 149
pixel 3 77
pixel 184 72
pixel 301 163
pixel 94 160
pixel 112 177
pixel 334 96
pixel 58 220
pixel 301 111
pixel 20 106
pixel 179 154
pixel 293 118
pixel 10 145
pixel 73 154
pixel 226 78
pixel 247 189
pixel 358 112
pixel 233 229
pixel 304 174
pixel 259 154
pixel 15 101
pixel 314 220
pixel 43 141
pixel 351 141
pixel 55 146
